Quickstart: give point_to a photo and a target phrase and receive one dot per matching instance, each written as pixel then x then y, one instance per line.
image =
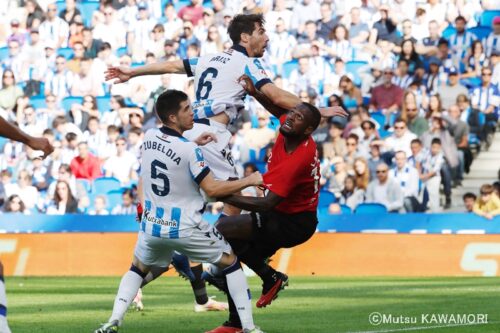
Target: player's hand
pixel 333 111
pixel 41 144
pixel 255 179
pixel 205 138
pixel 121 74
pixel 247 84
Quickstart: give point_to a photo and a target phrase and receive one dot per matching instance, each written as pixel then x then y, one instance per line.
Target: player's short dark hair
pixel 436 141
pixel 168 103
pixel 460 18
pixel 315 114
pixel 469 195
pixel 243 24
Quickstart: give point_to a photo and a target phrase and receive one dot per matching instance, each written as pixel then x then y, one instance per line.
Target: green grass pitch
pixel 309 304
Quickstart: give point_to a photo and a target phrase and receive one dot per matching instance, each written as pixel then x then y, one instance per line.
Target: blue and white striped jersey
pixel 216 81
pixel 172 168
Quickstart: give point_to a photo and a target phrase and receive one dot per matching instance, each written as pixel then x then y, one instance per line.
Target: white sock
pixel 238 289
pixel 129 286
pixel 4 327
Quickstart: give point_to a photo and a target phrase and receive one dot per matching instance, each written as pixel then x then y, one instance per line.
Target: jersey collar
pixel 239 48
pixel 168 131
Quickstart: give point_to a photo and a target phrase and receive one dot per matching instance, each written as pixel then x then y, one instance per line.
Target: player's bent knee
pixel 139 267
pixel 227 260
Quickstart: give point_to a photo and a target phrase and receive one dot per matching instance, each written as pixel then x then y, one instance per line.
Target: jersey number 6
pixel 160 191
pixel 205 82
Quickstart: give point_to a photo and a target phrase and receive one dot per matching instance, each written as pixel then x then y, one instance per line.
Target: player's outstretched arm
pixel 249 87
pixel 254 204
pixel 285 100
pixel 122 74
pixel 12 132
pixel 218 188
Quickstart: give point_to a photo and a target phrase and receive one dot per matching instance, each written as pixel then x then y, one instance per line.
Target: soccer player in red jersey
pixel 286 216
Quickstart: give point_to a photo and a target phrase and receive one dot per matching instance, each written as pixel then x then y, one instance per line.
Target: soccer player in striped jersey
pixel 173 170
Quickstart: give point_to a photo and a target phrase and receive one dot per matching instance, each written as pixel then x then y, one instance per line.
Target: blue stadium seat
pixel 66 52
pixel 379 117
pixel 370 208
pixel 4 52
pixel 326 198
pixel 87 8
pixel 474 141
pixel 257 156
pixel 104 185
pixel 70 100
pixel 274 123
pixel 103 103
pixel 288 68
pixel 261 166
pixel 3 141
pixel 487 17
pixel 114 198
pixel 480 32
pixel 61 5
pixel 121 51
pixel 344 209
pixel 38 102
pixel 353 67
pixel 450 30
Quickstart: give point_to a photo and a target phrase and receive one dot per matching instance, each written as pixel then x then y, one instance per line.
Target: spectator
pixel 94 135
pixel 78 190
pixel 351 196
pixel 416 124
pixel 409 53
pixel 435 106
pixel 369 135
pixel 213 42
pixel 387 97
pixel 280 11
pixel 85 165
pixel 281 44
pixel 471 116
pixel 306 10
pixel 127 206
pixel 111 30
pixel 192 12
pixel 327 23
pixel 399 140
pixel 492 42
pixel 475 60
pixel 432 78
pixel 99 206
pixel 460 132
pixel 352 150
pixel 10 92
pixel 486 98
pixel 361 173
pixel 70 13
pixel 351 97
pixel 431 174
pixel 252 191
pixel 54 28
pixel 35 14
pixel 402 79
pixel 469 200
pixel 302 77
pixel 385 190
pixel 123 165
pixel 85 83
pixel 461 40
pixel 90 44
pixel 407 177
pixel 335 145
pixel 358 30
pixel 335 173
pixel 339 45
pixel 24 188
pixel 60 81
pixel 488 204
pixel 14 204
pixel 452 89
pixel 64 202
pixel 384 29
pixel 186 39
pixel 374 160
pixel 258 138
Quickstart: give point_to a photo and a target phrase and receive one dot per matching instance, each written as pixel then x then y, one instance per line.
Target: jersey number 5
pixel 156 173
pixel 205 82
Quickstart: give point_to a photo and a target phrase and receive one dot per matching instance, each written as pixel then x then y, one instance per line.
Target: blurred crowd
pixel 419 78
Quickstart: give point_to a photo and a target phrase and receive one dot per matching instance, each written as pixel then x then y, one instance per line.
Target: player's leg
pixel 4 326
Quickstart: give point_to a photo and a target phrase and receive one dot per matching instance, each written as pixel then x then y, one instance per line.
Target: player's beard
pixel 287 134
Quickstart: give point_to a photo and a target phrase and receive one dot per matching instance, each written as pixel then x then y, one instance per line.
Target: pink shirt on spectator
pixel 89 168
pixel 383 98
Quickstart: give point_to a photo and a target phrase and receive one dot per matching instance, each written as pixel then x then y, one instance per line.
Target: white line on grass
pixel 422 328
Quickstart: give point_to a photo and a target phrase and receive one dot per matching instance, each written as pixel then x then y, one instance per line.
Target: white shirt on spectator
pixel 407 179
pixel 113 33
pixel 121 166
pixel 303 13
pixel 393 143
pixel 53 30
pixel 28 194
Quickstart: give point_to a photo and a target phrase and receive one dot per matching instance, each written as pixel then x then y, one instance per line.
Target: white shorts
pixel 217 154
pixel 205 244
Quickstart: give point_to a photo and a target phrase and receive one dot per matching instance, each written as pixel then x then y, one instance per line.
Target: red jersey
pixel 294 176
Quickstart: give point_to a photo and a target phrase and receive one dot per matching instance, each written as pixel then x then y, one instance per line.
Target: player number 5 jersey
pixel 171 169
